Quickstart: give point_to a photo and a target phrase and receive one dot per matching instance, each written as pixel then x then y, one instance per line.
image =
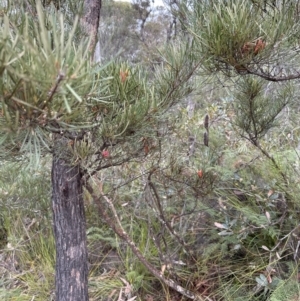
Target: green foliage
pixel 255 110
pixel 98 234
pixel 286 291
pixel 105 285
pixel 136 273
pixel 226 33
pixel 34 101
pixel 218 216
pixel 28 251
pixel 177 68
pixel 24 189
pixel 128 100
pixel 73 97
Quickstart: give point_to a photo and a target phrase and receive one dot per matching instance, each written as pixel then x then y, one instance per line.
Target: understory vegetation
pixel 221 218
pixel 205 194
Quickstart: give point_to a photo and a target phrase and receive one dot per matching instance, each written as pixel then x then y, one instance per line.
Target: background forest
pixel 206 184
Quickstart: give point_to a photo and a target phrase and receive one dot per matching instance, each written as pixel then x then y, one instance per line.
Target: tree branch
pixel 165 221
pixel 115 224
pixel 273 78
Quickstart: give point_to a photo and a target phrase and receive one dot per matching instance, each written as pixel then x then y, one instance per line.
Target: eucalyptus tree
pixel 87 116
pixel 133 31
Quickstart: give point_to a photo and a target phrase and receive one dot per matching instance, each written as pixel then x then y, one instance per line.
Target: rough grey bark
pixel 71 272
pixel 90 21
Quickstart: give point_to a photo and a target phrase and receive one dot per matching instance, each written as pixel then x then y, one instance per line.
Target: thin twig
pixel 165 221
pixel 115 224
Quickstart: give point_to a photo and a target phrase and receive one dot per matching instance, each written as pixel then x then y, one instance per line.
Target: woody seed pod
pixel 206 121
pixel 205 139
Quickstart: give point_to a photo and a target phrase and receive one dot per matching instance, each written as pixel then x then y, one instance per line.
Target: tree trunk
pixel 71 280
pixel 90 21
pixel 71 271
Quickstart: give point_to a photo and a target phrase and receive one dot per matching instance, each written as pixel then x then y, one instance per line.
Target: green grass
pixel 229 220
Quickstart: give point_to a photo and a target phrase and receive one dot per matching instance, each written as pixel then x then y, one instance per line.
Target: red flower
pixel 200 173
pixel 105 154
pixel 123 76
pixel 260 45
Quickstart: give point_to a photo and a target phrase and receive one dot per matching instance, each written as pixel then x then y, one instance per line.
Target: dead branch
pixel 115 224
